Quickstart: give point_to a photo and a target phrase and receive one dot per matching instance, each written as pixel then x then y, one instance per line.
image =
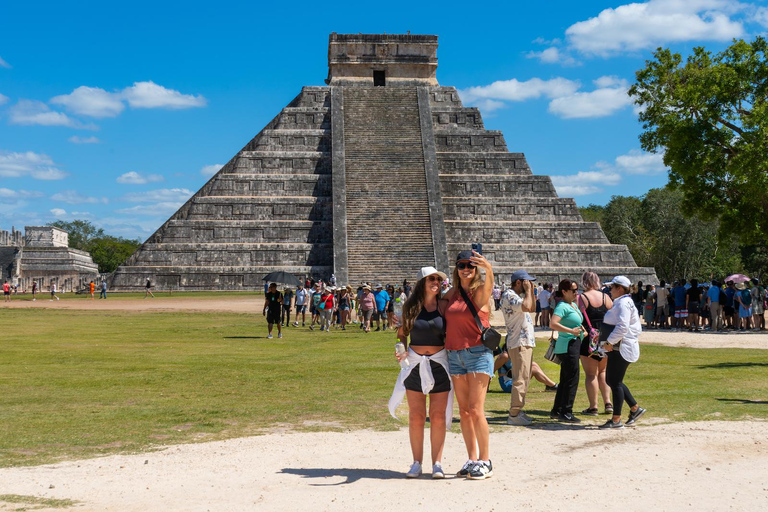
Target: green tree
pixel 709 116
pixel 109 252
pixel 593 213
pixel 81 232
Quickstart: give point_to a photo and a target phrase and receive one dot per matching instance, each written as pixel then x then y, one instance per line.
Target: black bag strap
pixel 472 309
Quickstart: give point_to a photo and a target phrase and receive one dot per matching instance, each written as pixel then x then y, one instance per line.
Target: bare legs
pixel 417 416
pixel 595 372
pixel 470 394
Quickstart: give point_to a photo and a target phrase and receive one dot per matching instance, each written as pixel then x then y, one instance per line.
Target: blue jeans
pixel 477 359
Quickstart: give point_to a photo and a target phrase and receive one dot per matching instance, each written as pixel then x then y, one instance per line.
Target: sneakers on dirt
pixel 464 471
pixel 415 471
pixel 633 416
pixel 611 424
pixel 481 470
pixel 437 471
pixel 521 420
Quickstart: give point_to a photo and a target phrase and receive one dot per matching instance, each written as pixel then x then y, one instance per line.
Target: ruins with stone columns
pixel 43 255
pixel 378 173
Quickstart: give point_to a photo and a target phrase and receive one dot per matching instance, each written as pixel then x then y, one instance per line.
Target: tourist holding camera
pixel 471 362
pixel 623 348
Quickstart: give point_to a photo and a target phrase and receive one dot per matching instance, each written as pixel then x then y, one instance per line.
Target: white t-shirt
pixel 544 298
pixel 661 297
pixel 519 323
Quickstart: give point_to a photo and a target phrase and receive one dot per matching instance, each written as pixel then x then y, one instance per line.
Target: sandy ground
pixel 691 466
pixel 235 304
pixel 686 466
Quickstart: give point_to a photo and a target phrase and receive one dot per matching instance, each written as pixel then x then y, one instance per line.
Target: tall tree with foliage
pixel 107 251
pixel 709 116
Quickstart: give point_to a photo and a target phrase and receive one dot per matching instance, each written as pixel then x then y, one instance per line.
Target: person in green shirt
pixel 566 320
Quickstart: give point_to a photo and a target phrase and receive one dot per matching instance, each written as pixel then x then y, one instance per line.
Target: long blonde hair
pixel 477 282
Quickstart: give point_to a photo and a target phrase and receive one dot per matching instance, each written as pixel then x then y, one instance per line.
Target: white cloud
pixel 4 64
pixel 553 55
pixel 163 195
pixel 74 197
pixel 640 162
pixel 515 90
pixel 162 208
pixel 136 178
pixel 36 165
pixel 3 99
pixel 8 196
pixel 210 170
pixel 75 139
pixel 610 97
pixel 91 101
pixel 576 190
pixel 58 212
pixel 150 95
pixel 33 112
pixel 638 26
pixel 585 182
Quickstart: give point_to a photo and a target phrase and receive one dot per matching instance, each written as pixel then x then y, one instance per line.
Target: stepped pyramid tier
pixel 371 177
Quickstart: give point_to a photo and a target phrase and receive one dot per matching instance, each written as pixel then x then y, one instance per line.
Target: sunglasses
pixel 461 265
pixel 575 289
pixel 433 278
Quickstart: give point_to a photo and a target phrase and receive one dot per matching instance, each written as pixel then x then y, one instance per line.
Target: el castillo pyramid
pixel 378 173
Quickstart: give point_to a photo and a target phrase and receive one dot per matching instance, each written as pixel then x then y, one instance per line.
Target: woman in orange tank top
pixel 470 362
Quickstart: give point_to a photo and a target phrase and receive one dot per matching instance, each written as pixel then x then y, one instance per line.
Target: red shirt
pixel 6 287
pixel 461 329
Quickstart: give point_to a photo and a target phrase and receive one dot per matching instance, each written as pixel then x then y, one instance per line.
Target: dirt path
pixel 685 466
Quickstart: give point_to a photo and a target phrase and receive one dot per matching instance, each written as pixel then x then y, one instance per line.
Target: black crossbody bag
pixel 489 336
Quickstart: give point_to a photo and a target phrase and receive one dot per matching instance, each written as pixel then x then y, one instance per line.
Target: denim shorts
pixel 477 359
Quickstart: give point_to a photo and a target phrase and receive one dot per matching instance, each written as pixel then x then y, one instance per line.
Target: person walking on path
pixel 53 291
pixel 367 307
pixel 273 301
pixel 302 298
pixel 567 320
pixel 471 362
pixel 285 316
pixel 149 289
pixel 103 294
pixel 426 372
pixel 382 305
pixel 517 304
pixel 92 290
pixel 34 291
pixel 7 291
pixel 623 349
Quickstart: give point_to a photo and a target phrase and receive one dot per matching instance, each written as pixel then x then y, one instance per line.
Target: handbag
pixel 593 335
pixel 488 335
pixel 550 355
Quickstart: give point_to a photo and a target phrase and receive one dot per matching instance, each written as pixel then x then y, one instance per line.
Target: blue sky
pixel 118 112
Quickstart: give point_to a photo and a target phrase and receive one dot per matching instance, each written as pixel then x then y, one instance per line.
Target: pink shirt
pixel 366 301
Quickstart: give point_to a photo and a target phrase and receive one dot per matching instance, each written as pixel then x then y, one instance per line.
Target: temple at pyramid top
pixel 381 59
pixel 378 173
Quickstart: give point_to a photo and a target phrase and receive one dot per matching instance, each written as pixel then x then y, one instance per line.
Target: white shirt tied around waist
pixel 427 381
pixel 625 317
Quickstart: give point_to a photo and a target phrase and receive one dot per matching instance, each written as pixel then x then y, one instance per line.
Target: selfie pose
pixel 427 370
pixel 471 362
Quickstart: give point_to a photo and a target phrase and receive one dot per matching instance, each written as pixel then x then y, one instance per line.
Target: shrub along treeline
pixel 658 235
pixel 107 251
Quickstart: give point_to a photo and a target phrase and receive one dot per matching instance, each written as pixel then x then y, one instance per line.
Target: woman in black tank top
pixel 595 303
pixel 424 323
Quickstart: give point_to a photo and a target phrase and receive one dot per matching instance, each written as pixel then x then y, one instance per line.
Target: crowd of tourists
pixel 325 306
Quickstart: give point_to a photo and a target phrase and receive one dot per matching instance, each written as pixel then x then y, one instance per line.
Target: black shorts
pixel 273 316
pixel 728 310
pixel 380 315
pixel 301 308
pixel 442 380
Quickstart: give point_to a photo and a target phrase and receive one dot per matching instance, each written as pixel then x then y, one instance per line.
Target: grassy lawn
pixel 81 383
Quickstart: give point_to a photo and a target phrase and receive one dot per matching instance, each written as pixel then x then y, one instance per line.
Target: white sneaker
pixel 415 471
pixel 481 471
pixel 279 335
pixel 521 420
pixel 269 337
pixel 437 471
pixel 295 324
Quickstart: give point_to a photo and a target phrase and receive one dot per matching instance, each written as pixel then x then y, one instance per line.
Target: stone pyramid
pixel 371 177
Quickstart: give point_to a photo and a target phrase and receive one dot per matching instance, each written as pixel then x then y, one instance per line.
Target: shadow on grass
pixel 743 401
pixel 351 475
pixel 245 337
pixel 730 365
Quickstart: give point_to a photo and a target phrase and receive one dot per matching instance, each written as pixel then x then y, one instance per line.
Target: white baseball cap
pixel 621 280
pixel 428 271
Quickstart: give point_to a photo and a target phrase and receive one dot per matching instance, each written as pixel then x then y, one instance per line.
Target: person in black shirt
pixel 692 300
pixel 272 307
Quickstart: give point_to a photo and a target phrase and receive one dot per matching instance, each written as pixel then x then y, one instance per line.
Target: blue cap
pixel 522 274
pixel 464 255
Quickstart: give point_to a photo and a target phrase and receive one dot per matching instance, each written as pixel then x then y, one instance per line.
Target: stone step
pixel 496 186
pixel 261 207
pixel 530 231
pixel 272 184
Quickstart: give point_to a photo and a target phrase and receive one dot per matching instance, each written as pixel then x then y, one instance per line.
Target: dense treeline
pixel 107 251
pixel 658 235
